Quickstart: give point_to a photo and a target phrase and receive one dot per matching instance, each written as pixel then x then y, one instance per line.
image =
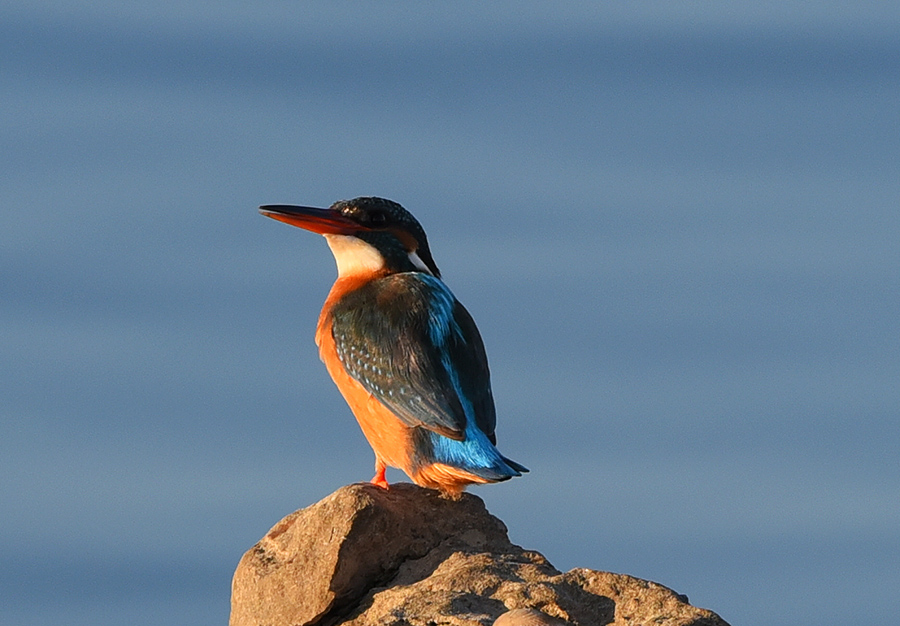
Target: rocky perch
pixel 407 556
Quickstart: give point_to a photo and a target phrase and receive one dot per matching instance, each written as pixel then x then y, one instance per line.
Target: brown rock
pixel 528 617
pixel 407 556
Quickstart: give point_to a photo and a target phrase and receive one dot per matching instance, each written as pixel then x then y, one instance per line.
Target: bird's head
pixel 366 235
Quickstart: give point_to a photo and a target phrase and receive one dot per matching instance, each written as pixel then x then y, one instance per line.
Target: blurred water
pixel 677 233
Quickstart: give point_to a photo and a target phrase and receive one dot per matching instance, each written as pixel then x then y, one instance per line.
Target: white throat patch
pixel 353 255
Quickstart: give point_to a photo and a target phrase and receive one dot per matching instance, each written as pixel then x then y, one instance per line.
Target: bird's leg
pixel 379 479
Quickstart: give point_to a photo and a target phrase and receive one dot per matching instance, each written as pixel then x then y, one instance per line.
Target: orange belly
pixel 389 437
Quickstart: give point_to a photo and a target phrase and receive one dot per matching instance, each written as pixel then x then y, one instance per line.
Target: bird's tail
pixel 518 467
pixel 475 455
pixel 453 480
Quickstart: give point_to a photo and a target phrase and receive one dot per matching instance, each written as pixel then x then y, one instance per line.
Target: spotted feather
pixel 411 344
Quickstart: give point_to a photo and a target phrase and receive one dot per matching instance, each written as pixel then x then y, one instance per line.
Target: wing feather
pixel 408 341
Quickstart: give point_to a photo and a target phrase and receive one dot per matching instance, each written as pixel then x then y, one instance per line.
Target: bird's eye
pixel 377 218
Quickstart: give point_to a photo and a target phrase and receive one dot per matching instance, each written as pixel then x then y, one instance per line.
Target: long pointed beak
pixel 322 221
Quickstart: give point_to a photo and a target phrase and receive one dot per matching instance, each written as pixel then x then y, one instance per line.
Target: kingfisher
pixel 402 350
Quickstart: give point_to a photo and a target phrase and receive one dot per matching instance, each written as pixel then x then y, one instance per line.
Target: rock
pixel 528 617
pixel 408 556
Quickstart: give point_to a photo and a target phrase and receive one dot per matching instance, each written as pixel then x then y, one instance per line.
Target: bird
pixel 404 353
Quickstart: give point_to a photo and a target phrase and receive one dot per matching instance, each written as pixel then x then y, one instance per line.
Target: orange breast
pixel 389 437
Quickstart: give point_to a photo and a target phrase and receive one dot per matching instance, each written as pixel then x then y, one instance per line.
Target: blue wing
pixel 412 345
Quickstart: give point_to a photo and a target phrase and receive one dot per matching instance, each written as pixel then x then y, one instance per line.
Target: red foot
pixel 379 480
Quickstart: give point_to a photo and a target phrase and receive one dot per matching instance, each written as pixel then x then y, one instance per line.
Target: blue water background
pixel 677 229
